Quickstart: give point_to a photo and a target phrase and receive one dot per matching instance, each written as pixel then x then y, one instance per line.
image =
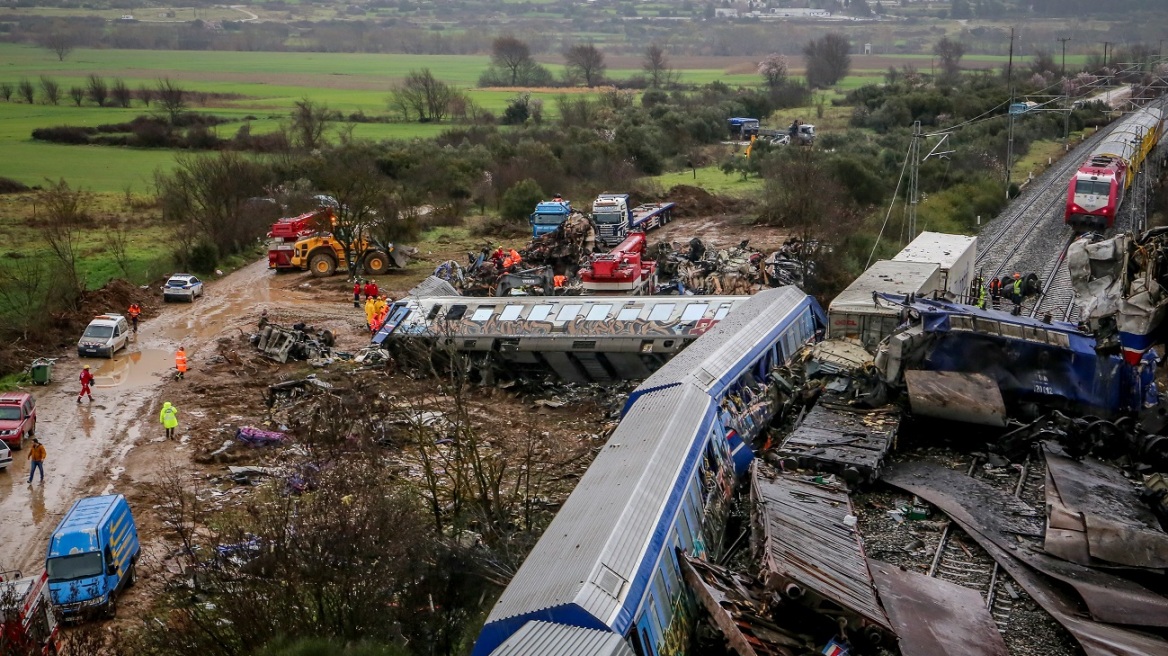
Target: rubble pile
pixel 300 342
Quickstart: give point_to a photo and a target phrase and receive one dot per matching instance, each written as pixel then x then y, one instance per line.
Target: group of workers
pixel 506 260
pixel 376 309
pixel 1012 289
pixel 368 287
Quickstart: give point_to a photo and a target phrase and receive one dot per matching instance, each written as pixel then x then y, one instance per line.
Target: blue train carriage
pixel 1030 360
pixel 607 565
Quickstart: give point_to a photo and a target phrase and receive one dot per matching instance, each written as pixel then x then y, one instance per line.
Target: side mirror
pixel 111 569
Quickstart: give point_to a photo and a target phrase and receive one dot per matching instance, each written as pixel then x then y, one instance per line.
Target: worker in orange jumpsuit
pixel 180 362
pixel 134 311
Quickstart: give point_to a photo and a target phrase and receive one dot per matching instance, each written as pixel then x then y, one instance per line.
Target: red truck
pixel 28 625
pixel 286 232
pixel 622 270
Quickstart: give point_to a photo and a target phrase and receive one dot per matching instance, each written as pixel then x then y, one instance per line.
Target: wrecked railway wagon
pixel 1029 361
pixel 604 579
pixel 579 338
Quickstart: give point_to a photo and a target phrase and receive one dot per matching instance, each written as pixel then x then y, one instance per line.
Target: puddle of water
pixel 133 369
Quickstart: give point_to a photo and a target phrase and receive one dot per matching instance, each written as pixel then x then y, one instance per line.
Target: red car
pixel 17 418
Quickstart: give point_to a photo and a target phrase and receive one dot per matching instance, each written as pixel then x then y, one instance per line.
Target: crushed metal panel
pixel 1120 528
pixel 433 286
pixel 538 638
pixel 933 617
pixel 808 553
pixel 836 438
pixel 737 610
pixel 998 518
pixel 1066 534
pixel 966 397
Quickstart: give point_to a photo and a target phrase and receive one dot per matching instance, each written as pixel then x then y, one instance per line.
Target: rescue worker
pixel 515 257
pixel 370 311
pixel 370 289
pixel 86 383
pixel 357 293
pixel 559 281
pixel 263 319
pixel 497 257
pixel 557 198
pixel 981 297
pixel 180 362
pixel 996 292
pixel 168 417
pixel 36 460
pixel 134 311
pixel 1016 289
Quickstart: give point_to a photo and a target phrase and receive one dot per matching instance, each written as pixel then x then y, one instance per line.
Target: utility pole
pixel 1010 64
pixel 1063 40
pixel 1106 44
pixel 1010 143
pixel 914 180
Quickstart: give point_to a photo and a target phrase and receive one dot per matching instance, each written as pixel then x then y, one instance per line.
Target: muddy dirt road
pixel 88 443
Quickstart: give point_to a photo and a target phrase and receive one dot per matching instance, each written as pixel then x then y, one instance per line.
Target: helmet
pixel 85 367
pixel 1017 275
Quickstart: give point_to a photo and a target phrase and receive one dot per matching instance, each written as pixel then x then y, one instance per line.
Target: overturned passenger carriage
pixel 604 579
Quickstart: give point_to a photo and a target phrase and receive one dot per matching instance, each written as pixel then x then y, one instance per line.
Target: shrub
pixel 201 258
pixel 519 201
pixel 64 134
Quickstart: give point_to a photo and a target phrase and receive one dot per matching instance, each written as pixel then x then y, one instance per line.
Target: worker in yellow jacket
pixel 169 419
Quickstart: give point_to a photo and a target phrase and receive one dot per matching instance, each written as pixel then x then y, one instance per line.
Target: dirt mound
pixel 10 186
pixel 695 201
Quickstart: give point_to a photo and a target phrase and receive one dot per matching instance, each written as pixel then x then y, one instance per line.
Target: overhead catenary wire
pixel 888 215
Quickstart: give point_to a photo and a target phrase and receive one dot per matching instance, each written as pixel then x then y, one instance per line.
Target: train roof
pixel 590 567
pixel 709 361
pixel 937 247
pixel 945 316
pixel 887 277
pixel 1125 138
pixel 545 638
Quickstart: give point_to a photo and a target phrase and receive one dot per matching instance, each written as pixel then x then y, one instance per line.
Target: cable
pixel 903 168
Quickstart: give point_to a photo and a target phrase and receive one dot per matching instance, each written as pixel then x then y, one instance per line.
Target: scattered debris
pixel 256 437
pixel 301 342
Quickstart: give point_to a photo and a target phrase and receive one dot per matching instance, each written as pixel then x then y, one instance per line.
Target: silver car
pixel 104 336
pixel 5 456
pixel 182 286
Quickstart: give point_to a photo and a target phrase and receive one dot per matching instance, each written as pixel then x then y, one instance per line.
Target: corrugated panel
pixel 721 349
pixel 889 277
pixel 598 539
pixel 433 286
pixel 547 639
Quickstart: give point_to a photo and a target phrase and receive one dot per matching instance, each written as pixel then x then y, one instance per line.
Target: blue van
pixel 92 556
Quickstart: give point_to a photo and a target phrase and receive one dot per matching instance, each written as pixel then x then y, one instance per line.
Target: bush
pixel 64 134
pixel 201 258
pixel 520 200
pixel 10 186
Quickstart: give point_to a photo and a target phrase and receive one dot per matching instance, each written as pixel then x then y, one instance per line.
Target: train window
pixel 694 311
pixel 483 313
pixel 661 311
pixel 598 312
pixel 511 312
pixel 568 312
pixel 434 312
pixel 456 312
pixel 539 313
pixel 662 597
pixel 1097 187
pixel 629 314
pixel 722 312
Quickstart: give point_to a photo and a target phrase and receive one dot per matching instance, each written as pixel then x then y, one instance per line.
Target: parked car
pixel 182 286
pixel 104 336
pixel 17 418
pixel 92 556
pixel 5 456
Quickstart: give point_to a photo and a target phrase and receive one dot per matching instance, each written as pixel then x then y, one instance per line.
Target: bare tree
pixel 23 284
pixel 950 52
pixel 50 90
pixel 26 90
pixel 773 70
pixel 121 94
pixel 6 91
pixel 98 89
pixel 512 55
pixel 310 121
pixel 145 94
pixel 77 94
pixel 60 40
pixel 422 94
pixel 656 66
pixel 117 240
pixel 66 213
pixel 172 98
pixel 828 60
pixel 585 61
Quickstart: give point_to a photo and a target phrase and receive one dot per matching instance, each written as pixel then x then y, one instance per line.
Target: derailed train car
pixel 1052 364
pixel 604 579
pixel 579 338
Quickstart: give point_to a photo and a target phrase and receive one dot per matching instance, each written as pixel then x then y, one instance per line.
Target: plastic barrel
pixel 41 372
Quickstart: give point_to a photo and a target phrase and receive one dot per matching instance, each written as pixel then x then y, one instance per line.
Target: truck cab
pixel 612 214
pixel 92 556
pixel 27 622
pixel 548 216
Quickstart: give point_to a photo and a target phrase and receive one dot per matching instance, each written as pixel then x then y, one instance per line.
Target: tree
pixel 310 121
pixel 172 98
pixel 950 52
pixel 422 94
pixel 98 90
pixel 349 173
pixel 60 40
pixel 50 90
pixel 66 217
pixel 960 9
pixel 145 94
pixel 26 90
pixel 773 70
pixel 656 66
pixel 511 55
pixel 121 94
pixel 1042 63
pixel 77 94
pixel 584 61
pixel 6 91
pixel 519 200
pixel 828 60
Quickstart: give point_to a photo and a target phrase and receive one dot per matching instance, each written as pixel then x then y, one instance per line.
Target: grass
pixel 712 179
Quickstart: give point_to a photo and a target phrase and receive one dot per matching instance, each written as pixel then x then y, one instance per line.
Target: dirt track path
pixel 88 443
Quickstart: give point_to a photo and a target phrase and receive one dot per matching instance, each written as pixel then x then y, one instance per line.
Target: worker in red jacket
pixel 371 290
pixel 357 293
pixel 86 382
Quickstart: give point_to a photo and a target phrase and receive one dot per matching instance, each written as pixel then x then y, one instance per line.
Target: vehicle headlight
pixel 8 432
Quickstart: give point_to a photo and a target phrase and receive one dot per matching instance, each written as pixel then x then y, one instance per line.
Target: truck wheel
pixel 322 265
pixel 132 575
pixel 111 607
pixel 376 263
